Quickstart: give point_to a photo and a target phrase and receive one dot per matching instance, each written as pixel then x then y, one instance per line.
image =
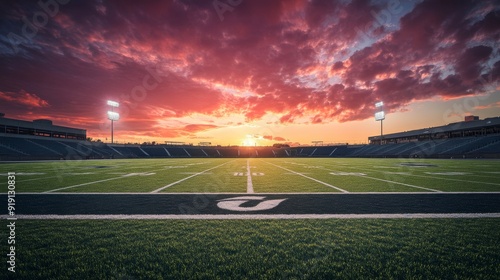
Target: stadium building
pixel 41 127
pixel 472 126
pixel 40 139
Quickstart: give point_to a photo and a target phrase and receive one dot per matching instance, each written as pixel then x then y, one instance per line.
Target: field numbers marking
pixel 246 174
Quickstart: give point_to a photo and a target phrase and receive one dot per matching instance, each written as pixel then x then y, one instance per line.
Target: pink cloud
pixel 24 98
pixel 295 60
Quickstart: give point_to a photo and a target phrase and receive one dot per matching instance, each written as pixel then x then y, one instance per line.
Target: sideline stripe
pixel 249 178
pixel 240 193
pixel 184 179
pixel 310 178
pixel 258 217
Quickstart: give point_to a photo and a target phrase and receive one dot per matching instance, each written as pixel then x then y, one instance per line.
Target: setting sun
pixel 249 141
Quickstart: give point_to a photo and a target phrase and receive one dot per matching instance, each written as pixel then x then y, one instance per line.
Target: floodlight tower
pixel 112 115
pixel 380 116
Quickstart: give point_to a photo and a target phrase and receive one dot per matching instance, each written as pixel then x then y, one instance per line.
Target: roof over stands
pixel 458 126
pixel 41 127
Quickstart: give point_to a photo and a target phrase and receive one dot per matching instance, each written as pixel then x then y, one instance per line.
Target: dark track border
pixel 296 204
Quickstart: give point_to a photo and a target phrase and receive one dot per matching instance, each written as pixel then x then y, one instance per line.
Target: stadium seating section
pixel 19 148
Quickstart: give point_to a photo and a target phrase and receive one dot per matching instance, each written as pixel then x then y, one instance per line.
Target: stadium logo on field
pixel 235 203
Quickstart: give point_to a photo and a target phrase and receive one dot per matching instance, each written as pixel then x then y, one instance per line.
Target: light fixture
pixel 380 116
pixel 113 116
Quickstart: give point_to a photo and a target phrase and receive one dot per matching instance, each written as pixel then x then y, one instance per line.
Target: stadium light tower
pixel 380 116
pixel 112 115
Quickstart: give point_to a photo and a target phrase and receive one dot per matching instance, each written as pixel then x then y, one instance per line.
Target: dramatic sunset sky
pixel 249 71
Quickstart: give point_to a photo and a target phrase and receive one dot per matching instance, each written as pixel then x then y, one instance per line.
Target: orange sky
pixel 254 72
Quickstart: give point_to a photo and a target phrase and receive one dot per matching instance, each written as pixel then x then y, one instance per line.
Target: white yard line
pixel 189 177
pixel 249 178
pixel 440 178
pixel 257 216
pixel 393 182
pixel 388 181
pixel 428 177
pixel 110 179
pixel 456 180
pixel 27 180
pixel 310 178
pixel 95 182
pixel 103 171
pixel 84 184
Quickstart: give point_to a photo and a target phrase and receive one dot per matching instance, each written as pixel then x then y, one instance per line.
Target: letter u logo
pixel 234 203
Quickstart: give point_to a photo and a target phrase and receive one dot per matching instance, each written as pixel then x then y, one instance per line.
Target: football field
pixel 256 218
pixel 256 175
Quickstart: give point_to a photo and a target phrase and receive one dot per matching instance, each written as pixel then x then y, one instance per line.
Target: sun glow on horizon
pixel 249 141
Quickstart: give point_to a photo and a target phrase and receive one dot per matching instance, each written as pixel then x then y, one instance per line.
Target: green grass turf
pixel 274 249
pixel 272 175
pixel 257 249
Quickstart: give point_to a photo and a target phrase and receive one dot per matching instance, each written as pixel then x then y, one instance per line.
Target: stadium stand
pixel 196 152
pixel 265 152
pixel 211 152
pixel 487 149
pixel 322 151
pixel 128 151
pixel 305 151
pixel 177 152
pixel 282 152
pixel 470 139
pixel 156 151
pixel 229 152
